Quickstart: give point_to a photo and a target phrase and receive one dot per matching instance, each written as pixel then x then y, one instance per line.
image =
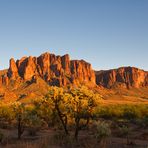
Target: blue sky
pixel 106 33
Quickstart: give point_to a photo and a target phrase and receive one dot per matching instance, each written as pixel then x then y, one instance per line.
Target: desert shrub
pixel 141 122
pixel 107 112
pixel 124 131
pixel 143 110
pixel 102 130
pixel 6 115
pixel 45 111
pixel 34 125
pixel 132 112
pixel 33 122
pixel 128 112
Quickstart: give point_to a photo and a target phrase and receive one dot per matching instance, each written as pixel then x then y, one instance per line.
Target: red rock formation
pixel 66 63
pixel 44 64
pixel 125 76
pixel 1 80
pixel 55 70
pixel 21 64
pixel 5 80
pixel 30 68
pixel 61 71
pixel 82 71
pixel 13 70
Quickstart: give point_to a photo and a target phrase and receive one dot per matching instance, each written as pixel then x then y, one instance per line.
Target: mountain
pixel 126 77
pixel 30 78
pixel 61 71
pixel 55 70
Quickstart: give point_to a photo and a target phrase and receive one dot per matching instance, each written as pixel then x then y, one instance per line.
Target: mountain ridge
pixel 61 71
pixel 125 76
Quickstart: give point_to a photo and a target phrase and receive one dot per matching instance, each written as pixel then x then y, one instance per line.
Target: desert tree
pixel 82 102
pixel 58 99
pixel 33 121
pixel 45 110
pixel 6 114
pixel 20 115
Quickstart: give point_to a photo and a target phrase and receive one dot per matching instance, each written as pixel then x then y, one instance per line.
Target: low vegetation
pixel 69 113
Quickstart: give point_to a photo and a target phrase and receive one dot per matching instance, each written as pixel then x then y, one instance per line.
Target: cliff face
pixel 61 71
pixel 122 77
pixel 55 70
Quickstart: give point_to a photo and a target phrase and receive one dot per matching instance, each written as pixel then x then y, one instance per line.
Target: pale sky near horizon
pixel 106 33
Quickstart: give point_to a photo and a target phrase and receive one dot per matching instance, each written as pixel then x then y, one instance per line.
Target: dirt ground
pixel 138 138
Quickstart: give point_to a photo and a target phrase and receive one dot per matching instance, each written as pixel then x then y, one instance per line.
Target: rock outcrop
pixel 5 80
pixel 13 70
pixel 55 70
pixel 61 71
pixel 122 77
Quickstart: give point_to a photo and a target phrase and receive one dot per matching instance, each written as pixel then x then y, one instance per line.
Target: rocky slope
pixel 124 77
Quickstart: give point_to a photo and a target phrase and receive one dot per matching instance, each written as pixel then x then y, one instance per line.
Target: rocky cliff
pixel 61 71
pixel 55 70
pixel 123 77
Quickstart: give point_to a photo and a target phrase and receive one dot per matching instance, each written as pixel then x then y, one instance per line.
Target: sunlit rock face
pixel 13 70
pixel 5 80
pixel 61 71
pixel 55 70
pixel 122 77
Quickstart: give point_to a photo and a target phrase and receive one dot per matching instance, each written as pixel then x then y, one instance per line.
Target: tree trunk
pixel 20 128
pixel 64 124
pixel 77 128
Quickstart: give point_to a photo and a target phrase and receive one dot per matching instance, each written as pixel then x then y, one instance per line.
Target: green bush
pixel 33 122
pixel 102 130
pixel 124 131
pixel 128 112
